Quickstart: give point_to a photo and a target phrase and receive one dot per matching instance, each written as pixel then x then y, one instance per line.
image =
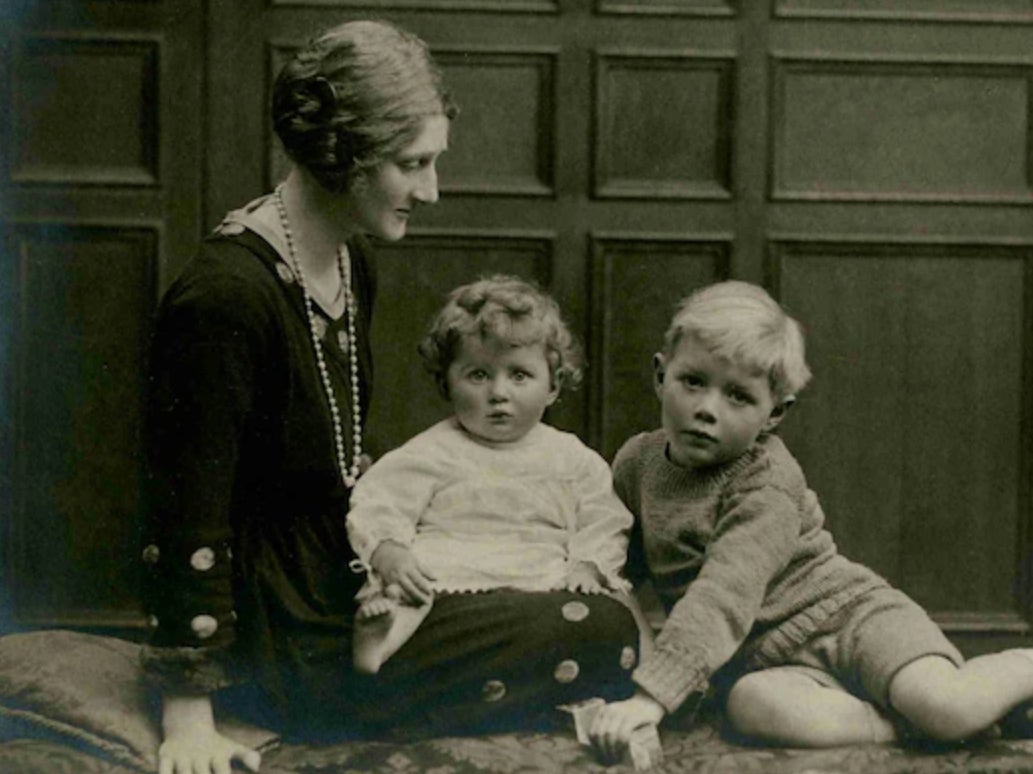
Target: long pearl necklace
pixel 349 474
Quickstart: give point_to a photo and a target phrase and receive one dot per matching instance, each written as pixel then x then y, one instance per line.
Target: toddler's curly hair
pixel 506 309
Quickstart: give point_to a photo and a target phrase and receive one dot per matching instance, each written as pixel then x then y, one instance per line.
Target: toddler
pixel 491 497
pixel 818 650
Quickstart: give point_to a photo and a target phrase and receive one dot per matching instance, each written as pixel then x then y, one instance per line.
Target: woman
pixel 260 381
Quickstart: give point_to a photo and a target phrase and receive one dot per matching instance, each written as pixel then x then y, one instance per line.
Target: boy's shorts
pixel 862 648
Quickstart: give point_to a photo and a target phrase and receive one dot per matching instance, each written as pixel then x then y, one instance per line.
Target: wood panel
pixel 501 146
pixel 920 130
pixel 100 188
pixel 869 159
pixel 980 11
pixel 492 6
pixel 668 7
pixel 644 148
pixel 911 432
pixel 83 305
pixel 898 215
pixel 49 74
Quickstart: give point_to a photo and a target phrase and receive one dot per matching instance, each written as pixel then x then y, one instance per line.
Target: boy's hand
pixel 395 564
pixel 613 724
pixel 585 578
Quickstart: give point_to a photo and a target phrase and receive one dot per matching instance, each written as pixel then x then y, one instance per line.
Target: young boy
pixel 491 497
pixel 825 651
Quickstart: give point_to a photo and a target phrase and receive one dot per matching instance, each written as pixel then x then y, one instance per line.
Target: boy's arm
pixel 753 540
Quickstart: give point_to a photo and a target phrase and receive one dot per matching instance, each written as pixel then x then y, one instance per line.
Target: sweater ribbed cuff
pixel 669 679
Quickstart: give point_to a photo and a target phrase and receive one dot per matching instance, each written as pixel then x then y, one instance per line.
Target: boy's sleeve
pixel 390 497
pixel 601 535
pixel 753 540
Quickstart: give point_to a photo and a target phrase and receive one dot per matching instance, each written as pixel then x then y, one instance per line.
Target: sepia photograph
pixel 516 386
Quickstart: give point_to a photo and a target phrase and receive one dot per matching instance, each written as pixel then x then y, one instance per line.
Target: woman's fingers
pixel 252 759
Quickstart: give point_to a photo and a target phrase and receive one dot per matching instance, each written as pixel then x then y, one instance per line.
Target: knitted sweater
pixel 480 515
pixel 738 556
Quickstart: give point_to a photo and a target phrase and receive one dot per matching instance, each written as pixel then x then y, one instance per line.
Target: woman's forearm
pixel 186 713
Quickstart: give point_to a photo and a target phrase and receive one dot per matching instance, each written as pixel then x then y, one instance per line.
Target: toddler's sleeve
pixel 602 522
pixel 390 497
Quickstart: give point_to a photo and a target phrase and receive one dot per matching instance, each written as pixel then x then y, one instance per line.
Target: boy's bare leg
pixel 787 708
pixel 952 703
pixel 382 626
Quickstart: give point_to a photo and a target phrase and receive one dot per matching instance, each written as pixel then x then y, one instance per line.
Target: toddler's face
pixel 712 409
pixel 499 392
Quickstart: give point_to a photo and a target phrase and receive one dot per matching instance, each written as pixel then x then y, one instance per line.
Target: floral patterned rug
pixel 701 751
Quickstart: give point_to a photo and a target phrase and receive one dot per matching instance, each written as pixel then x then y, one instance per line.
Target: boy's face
pixel 712 409
pixel 499 392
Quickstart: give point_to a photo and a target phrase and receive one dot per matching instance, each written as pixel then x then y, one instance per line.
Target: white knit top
pixel 482 516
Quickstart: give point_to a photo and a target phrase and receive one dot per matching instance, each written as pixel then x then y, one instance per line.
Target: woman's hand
pixel 396 565
pixel 192 745
pixel 613 724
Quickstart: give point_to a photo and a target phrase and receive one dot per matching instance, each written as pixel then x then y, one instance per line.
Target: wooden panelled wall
pixel 870 161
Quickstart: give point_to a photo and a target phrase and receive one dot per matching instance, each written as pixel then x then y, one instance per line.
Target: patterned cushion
pixel 89 691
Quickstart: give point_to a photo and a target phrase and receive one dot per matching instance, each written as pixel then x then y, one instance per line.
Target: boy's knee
pixel 752 702
pixel 944 721
pixel 934 700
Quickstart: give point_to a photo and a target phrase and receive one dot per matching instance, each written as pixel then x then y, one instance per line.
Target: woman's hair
pixel 353 96
pixel 508 310
pixel 742 323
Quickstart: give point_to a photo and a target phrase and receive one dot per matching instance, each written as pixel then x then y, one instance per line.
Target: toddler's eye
pixel 692 380
pixel 477 376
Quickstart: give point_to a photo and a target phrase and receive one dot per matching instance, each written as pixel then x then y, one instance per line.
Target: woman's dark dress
pixel 248 579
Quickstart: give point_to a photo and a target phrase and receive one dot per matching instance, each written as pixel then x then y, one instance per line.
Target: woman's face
pixel 381 202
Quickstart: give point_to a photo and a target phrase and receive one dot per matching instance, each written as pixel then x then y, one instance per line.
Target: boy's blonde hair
pixel 506 309
pixel 742 323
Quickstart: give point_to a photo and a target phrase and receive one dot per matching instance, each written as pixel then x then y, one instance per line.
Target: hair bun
pixel 315 99
pixel 325 94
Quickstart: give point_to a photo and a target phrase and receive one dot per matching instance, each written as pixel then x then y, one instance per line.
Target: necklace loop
pixel 349 473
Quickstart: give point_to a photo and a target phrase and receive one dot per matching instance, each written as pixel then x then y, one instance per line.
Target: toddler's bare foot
pixel 375 607
pixel 372 624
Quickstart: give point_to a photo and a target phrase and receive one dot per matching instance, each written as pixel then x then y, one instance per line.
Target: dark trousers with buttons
pixel 502 660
